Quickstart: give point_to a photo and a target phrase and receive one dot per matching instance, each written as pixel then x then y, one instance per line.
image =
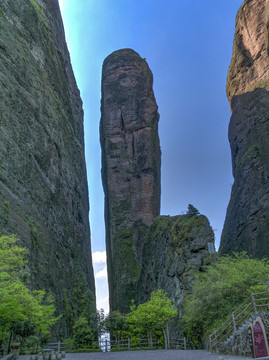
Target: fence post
pixel 106 345
pixel 185 344
pixel 210 343
pixel 234 321
pixel 254 302
pixel 129 344
pixel 59 346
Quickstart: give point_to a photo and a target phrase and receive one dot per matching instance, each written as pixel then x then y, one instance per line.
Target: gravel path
pixel 150 355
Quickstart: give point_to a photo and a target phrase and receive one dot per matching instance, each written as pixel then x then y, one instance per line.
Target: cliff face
pixel 175 249
pixel 247 221
pixel 44 196
pixel 130 168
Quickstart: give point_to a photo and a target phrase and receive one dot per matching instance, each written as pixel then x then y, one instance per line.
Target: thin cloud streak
pixel 101 274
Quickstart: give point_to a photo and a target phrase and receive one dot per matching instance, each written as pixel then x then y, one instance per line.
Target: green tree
pixel 192 210
pixel 100 314
pixel 17 303
pixel 116 325
pixel 218 291
pixel 82 333
pixel 156 313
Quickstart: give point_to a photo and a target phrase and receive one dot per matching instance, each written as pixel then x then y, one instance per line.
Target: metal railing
pixel 253 303
pixel 57 346
pixel 128 344
pixel 106 345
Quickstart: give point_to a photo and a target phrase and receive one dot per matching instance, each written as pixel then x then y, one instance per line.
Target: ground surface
pixel 150 355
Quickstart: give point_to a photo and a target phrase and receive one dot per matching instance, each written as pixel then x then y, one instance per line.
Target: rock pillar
pixel 131 160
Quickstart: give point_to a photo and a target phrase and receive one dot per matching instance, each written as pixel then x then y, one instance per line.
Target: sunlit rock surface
pixel 246 226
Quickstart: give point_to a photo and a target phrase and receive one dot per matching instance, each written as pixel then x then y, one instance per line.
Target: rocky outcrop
pixel 44 196
pixel 130 168
pixel 247 221
pixel 176 248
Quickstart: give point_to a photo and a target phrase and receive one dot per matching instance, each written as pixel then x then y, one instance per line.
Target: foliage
pixel 22 311
pixel 192 210
pixel 79 302
pixel 82 333
pixel 217 292
pixel 152 315
pixel 116 325
pixel 100 314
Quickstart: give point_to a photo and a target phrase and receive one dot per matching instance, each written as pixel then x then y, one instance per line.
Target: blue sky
pixel 188 46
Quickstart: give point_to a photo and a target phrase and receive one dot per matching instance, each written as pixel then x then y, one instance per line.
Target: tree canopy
pixel 219 290
pixel 156 313
pixel 19 305
pixel 116 325
pixel 192 210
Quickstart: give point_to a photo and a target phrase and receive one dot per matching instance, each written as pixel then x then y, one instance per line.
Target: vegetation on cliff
pixel 218 291
pixel 175 249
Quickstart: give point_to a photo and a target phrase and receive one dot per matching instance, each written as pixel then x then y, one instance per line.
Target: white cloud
pixel 102 303
pixel 101 274
pixel 99 257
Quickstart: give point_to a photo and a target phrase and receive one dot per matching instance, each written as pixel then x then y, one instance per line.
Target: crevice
pixel 133 145
pixel 122 123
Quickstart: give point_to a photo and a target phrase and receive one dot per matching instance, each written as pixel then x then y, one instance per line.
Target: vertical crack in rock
pixel 247 220
pixel 131 159
pixel 44 195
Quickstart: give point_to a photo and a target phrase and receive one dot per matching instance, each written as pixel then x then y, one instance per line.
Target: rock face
pixel 130 168
pixel 44 196
pixel 175 249
pixel 247 221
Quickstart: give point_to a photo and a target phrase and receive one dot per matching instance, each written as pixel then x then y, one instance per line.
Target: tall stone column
pixel 247 221
pixel 131 160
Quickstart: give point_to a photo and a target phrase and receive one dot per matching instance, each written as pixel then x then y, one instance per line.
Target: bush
pixel 217 292
pixel 82 333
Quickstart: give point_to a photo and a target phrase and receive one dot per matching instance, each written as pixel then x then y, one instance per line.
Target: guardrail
pixel 123 344
pixel 57 346
pixel 127 344
pixel 253 303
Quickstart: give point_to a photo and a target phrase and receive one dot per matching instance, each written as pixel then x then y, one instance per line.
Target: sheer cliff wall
pixel 176 248
pixel 131 159
pixel 44 196
pixel 247 220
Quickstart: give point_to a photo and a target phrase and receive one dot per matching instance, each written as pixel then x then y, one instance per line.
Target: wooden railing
pixel 256 302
